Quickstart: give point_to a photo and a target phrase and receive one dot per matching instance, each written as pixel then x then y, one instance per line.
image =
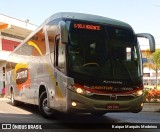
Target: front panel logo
pixel 22 76
pixel 112 82
pixel 113 97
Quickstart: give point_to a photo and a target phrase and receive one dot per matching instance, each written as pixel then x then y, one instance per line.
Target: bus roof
pixel 87 17
pixel 78 16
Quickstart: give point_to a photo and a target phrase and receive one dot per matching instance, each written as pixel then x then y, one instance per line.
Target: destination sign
pixel 87 26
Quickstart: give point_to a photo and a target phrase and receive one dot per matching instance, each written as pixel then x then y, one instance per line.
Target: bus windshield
pixel 99 52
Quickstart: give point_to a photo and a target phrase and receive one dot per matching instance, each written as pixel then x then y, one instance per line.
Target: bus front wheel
pixel 44 109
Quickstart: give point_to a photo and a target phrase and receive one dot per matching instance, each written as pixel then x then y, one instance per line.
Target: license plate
pixel 112 106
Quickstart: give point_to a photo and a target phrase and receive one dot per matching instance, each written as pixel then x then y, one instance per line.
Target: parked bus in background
pixel 78 63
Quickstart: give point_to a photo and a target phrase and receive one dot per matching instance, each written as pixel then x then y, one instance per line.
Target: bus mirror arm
pixel 63 32
pixel 150 38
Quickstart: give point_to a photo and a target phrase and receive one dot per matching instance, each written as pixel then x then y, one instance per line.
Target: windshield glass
pixel 100 52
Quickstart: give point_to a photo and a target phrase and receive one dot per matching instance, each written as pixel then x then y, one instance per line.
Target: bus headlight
pixel 138 93
pixel 79 90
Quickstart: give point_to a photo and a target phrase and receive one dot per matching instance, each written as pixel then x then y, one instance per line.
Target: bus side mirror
pixel 63 32
pixel 150 38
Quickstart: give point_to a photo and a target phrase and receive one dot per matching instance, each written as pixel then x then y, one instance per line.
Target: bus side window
pixel 60 56
pixel 56 53
pixel 52 33
pixel 52 45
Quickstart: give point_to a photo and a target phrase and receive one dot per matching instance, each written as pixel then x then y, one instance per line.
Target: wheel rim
pixel 45 107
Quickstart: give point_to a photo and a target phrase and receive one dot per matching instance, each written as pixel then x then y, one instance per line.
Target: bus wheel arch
pixel 42 89
pixel 11 89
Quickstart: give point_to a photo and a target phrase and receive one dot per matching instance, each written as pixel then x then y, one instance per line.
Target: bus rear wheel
pixel 13 101
pixel 45 111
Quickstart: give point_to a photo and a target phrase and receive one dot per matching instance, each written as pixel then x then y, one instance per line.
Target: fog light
pixel 74 104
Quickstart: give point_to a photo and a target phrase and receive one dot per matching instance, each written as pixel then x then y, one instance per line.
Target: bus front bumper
pixel 84 104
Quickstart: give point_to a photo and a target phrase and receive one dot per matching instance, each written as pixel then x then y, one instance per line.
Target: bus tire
pixel 13 101
pixel 44 110
pixel 137 111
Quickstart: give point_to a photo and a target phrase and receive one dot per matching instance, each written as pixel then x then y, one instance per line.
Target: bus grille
pixel 107 97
